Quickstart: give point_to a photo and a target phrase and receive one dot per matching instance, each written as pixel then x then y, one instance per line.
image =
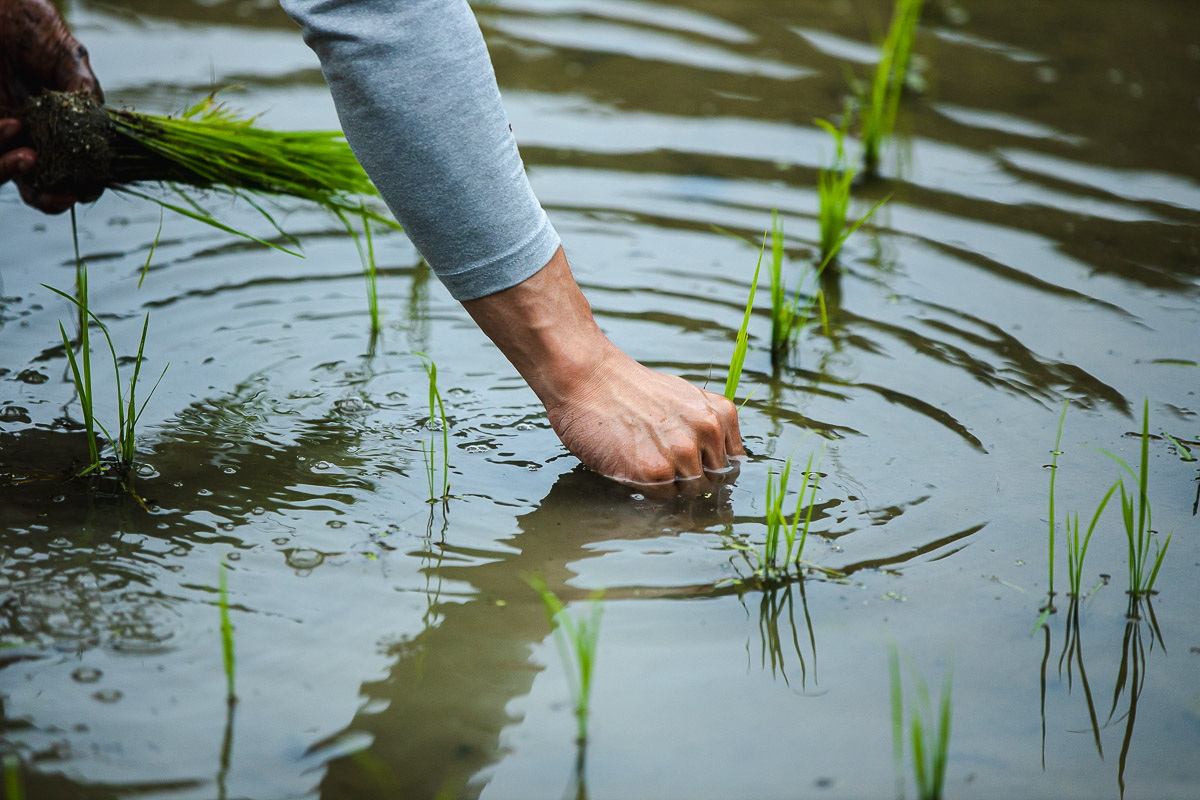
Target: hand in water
pixel 37 52
pixel 618 417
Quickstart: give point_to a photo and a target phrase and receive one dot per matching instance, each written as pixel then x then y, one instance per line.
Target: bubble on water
pixel 204 493
pixel 336 523
pixel 87 674
pixel 108 695
pixel 177 484
pixel 234 556
pixel 639 497
pixel 59 543
pixel 146 470
pixel 321 465
pixel 304 558
pixel 280 540
pixel 226 526
pixel 32 377
pixel 524 426
pixel 230 470
pixel 478 448
pixel 258 511
pixel 58 498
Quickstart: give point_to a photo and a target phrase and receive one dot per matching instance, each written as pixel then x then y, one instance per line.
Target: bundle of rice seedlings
pixel 84 147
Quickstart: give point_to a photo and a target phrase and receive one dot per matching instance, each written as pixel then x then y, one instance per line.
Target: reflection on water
pixel 1042 242
pixel 1130 678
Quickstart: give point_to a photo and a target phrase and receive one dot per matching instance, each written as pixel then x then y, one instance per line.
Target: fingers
pixel 727 412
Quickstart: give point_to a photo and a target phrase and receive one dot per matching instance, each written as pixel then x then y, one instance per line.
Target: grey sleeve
pixel 414 88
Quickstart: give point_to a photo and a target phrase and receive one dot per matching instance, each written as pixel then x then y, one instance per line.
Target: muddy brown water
pixel 1042 243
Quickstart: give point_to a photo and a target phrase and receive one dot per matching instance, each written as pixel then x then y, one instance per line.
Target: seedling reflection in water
pixel 576 640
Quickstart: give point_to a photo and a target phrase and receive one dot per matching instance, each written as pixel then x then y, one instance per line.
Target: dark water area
pixel 1041 244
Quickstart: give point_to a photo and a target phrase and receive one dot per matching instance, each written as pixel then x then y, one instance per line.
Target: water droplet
pixel 87 674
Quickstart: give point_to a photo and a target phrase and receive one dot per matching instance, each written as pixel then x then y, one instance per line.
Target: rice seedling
pixel 228 657
pixel 14 788
pixel 833 192
pixel 1077 548
pixel 83 145
pixel 742 343
pixel 128 410
pixel 576 640
pixel 367 256
pixel 879 103
pixel 1138 532
pixel 437 419
pixel 777 524
pixel 783 312
pixel 1054 454
pixel 929 736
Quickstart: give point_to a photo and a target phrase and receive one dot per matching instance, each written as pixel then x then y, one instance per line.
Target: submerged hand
pixel 636 425
pixel 618 417
pixel 37 52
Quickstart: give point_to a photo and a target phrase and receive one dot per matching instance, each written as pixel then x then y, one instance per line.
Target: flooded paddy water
pixel 1042 244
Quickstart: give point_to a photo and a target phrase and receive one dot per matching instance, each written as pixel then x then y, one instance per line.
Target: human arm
pixel 37 52
pixel 417 98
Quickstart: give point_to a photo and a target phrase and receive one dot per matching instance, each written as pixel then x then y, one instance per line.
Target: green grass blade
pixel 739 351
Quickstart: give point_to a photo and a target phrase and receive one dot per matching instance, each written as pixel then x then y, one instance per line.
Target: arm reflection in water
pixel 446 698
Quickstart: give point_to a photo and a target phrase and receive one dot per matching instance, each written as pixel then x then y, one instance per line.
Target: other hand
pixel 37 51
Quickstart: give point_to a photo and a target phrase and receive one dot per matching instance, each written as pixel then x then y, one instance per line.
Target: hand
pixel 621 419
pixel 37 52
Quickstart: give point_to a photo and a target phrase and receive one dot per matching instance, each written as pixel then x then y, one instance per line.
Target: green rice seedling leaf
pixel 1137 516
pixel 1183 451
pixel 929 734
pixel 897 697
pixel 209 220
pixel 228 657
pixel 153 247
pixel 14 789
pixel 812 501
pixel 848 232
pixel 436 410
pixel 879 103
pixel 576 640
pixel 1076 550
pixel 739 350
pixel 1053 474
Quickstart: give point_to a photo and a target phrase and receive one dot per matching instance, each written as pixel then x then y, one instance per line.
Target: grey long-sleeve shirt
pixel 418 101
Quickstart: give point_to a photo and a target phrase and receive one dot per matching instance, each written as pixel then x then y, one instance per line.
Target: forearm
pixel 417 98
pixel 544 327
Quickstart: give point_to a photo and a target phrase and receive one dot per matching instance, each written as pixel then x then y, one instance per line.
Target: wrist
pixel 544 326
